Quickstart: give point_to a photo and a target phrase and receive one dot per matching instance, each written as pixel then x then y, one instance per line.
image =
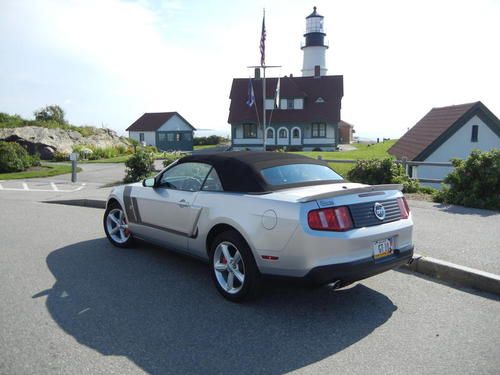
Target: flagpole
pixel 263 67
pixel 264 107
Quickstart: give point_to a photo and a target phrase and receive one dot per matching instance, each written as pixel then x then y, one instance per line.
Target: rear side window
pixel 298 173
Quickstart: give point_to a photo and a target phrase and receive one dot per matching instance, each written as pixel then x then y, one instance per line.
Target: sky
pixel 106 62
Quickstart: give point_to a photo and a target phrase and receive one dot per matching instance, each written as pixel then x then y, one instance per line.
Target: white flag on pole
pixel 277 95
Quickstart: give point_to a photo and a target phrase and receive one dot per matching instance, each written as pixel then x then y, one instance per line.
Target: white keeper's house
pixel 307 114
pixel 164 130
pixel 445 133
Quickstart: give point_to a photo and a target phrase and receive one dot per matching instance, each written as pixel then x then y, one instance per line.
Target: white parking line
pixel 54 188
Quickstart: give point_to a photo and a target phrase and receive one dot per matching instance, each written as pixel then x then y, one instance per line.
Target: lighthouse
pixel 314 47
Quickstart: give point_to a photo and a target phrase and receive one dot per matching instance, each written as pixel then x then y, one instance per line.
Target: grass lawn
pixel 43 171
pixel 201 147
pixel 363 151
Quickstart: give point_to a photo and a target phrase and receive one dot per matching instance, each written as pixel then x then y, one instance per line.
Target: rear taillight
pixel 335 219
pixel 403 207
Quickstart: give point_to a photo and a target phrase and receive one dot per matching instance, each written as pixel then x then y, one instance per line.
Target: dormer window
pixel 320 100
pixel 290 104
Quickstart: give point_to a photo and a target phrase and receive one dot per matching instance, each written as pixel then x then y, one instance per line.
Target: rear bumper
pixel 359 269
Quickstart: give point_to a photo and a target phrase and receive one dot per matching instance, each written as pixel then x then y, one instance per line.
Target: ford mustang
pixel 258 214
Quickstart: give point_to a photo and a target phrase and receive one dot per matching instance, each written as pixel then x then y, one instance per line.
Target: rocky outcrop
pixel 47 141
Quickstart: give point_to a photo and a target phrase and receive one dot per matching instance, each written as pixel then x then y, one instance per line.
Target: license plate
pixel 383 248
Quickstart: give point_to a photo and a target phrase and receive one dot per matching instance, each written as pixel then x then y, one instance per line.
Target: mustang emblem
pixel 379 211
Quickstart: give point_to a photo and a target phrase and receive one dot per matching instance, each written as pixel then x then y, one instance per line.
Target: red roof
pixel 329 88
pixel 433 129
pixel 153 121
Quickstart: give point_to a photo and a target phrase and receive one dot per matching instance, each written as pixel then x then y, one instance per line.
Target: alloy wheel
pixel 117 226
pixel 229 267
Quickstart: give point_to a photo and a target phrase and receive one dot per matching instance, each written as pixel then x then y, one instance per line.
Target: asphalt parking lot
pixel 73 304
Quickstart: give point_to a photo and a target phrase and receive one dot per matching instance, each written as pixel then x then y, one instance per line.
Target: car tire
pixel 237 278
pixel 116 226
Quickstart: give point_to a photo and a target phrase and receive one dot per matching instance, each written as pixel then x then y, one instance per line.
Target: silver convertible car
pixel 257 214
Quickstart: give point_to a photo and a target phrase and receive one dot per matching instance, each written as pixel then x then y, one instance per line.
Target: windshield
pixel 298 173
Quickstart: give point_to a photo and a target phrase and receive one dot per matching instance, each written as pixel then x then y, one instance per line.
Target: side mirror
pixel 149 182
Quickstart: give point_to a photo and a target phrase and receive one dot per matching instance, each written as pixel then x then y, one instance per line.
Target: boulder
pixel 48 141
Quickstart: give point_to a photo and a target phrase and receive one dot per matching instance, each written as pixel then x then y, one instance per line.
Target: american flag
pixel 263 43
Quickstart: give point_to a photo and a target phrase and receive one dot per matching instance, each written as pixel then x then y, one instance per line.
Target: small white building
pixel 164 130
pixel 445 133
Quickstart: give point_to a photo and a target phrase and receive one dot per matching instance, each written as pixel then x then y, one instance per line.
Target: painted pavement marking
pixel 53 188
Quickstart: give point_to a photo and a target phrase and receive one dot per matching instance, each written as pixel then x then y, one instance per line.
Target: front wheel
pixel 116 226
pixel 233 267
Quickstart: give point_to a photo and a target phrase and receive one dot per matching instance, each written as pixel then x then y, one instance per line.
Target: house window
pixel 282 133
pixel 186 136
pixel 249 130
pixel 141 137
pixel 177 137
pixel 270 133
pixel 290 104
pixel 295 133
pixel 170 137
pixel 318 130
pixel 475 130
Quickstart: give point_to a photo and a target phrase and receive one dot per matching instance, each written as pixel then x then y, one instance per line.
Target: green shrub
pixel 210 140
pixel 13 157
pixel 151 149
pixel 45 119
pixel 139 166
pixel 60 156
pixel 10 121
pixel 170 157
pixel 475 182
pixel 97 153
pixel 427 190
pixel 134 143
pixel 374 171
pixel 382 171
pixel 34 160
pixel 121 149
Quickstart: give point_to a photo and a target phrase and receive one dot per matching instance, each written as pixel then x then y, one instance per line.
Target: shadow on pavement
pixel 452 209
pixel 161 311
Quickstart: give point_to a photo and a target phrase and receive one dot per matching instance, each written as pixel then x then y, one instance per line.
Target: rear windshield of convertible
pixel 298 173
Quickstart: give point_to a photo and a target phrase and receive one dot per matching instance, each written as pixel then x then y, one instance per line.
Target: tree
pixel 134 143
pixel 50 113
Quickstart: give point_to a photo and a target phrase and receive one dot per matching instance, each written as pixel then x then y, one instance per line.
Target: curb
pixel 93 203
pixel 455 274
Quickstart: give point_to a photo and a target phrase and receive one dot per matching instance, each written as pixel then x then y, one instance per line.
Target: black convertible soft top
pixel 239 171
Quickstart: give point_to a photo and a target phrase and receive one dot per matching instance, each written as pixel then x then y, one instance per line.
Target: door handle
pixel 183 203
